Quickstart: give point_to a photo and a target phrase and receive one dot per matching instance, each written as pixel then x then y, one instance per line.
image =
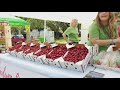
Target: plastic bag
pixel 118 61
pixel 105 60
pixel 113 59
pixel 99 57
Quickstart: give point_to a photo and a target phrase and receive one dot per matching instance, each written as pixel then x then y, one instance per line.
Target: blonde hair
pixel 110 24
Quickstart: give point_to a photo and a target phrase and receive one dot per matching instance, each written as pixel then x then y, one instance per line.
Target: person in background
pixel 103 31
pixel 71 34
pixel 16 35
pixel 32 36
pixel 24 34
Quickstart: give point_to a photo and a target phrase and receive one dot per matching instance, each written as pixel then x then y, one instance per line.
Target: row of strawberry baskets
pixel 74 57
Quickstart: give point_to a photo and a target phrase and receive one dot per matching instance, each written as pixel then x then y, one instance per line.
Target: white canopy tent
pixel 85 18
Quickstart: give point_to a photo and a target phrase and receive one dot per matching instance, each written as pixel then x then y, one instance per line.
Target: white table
pixel 29 69
pixel 26 68
pixel 108 73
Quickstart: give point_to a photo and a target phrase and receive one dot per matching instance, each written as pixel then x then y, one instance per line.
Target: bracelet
pixel 112 41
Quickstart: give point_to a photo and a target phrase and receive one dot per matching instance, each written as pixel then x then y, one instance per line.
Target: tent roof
pixel 83 17
pixel 13 21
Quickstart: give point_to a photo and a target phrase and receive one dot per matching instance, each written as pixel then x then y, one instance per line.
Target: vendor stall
pixel 16 22
pixel 45 60
pixel 5 30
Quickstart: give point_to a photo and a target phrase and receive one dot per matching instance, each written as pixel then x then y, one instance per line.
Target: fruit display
pixel 33 49
pixel 55 54
pixel 76 53
pixel 24 48
pixel 58 51
pixel 44 50
pixel 47 44
pixel 16 46
pixel 17 38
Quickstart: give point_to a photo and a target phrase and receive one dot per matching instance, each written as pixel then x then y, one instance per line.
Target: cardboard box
pixel 44 59
pixel 9 52
pixel 13 53
pixel 27 56
pixel 33 57
pixel 79 66
pixel 20 55
pixel 54 62
pixel 57 62
pixel 39 59
pixel 62 64
pixel 50 61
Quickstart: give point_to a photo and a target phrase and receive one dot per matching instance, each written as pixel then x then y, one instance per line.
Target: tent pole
pixel 27 27
pixel 44 30
pixel 19 32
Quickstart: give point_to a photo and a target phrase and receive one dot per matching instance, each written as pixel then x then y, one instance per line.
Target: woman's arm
pixel 104 42
pixel 64 36
pixel 66 33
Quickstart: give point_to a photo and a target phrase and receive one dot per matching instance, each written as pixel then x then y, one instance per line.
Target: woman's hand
pixel 70 42
pixel 116 40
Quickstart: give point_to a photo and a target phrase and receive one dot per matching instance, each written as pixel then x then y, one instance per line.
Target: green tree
pixel 34 23
pixel 56 26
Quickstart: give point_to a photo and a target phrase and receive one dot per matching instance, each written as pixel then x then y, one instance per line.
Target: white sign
pixel 11 71
pixel 49 36
pixel 84 36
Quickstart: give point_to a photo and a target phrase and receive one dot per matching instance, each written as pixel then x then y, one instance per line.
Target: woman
pixel 72 33
pixel 117 22
pixel 103 31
